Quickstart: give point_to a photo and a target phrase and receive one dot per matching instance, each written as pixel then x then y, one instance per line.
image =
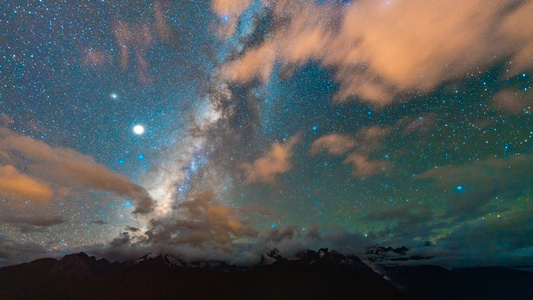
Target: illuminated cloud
pixel 333 144
pixel 200 222
pixel 95 57
pixel 276 162
pixel 518 25
pixel 256 63
pixel 20 187
pixel 420 125
pixel 363 167
pixel 59 167
pixel 367 140
pixel 226 8
pixel 136 39
pixel 384 49
pixel 5 119
pixel 514 101
pixel 161 25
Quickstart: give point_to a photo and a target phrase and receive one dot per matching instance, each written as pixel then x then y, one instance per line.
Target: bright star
pixel 138 129
pixel 114 95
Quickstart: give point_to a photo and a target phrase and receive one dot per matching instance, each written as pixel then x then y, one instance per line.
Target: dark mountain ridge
pixel 322 274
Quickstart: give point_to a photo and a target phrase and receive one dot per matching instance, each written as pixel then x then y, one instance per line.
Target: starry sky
pixel 221 129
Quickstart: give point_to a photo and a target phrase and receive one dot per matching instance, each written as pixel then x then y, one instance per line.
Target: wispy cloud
pixel 39 221
pixel 48 168
pixel 474 184
pixel 366 141
pixel 276 162
pixel 364 167
pixel 19 187
pixel 333 144
pixel 514 101
pixel 381 50
pixel 199 222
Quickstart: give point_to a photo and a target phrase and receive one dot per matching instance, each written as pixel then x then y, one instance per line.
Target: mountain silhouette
pixel 322 274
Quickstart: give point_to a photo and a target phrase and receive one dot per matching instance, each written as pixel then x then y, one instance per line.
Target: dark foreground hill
pixel 325 275
pixel 314 275
pixel 434 282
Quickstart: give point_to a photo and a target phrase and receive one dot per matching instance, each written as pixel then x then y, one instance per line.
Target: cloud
pixel 363 167
pixel 136 39
pixel 99 222
pixel 31 223
pixel 518 26
pixel 200 222
pixel 500 241
pixel 333 144
pixel 277 236
pixel 38 221
pixel 514 101
pixel 367 141
pixel 59 167
pixel 132 229
pixel 226 8
pixel 95 57
pixel 20 187
pixel 5 119
pixel 474 184
pixel 195 234
pixel 369 138
pixel 201 228
pixel 405 223
pixel 511 231
pixel 381 50
pixel 12 252
pixel 419 125
pixel 276 162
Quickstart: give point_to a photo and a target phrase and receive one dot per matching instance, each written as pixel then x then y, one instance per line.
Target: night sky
pixel 219 130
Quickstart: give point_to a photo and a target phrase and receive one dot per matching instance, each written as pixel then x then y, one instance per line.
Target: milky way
pixel 288 124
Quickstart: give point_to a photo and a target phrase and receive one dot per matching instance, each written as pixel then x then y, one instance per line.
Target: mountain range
pixel 322 274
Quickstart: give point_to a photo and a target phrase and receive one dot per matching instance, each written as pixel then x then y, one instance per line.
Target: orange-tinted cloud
pixel 420 125
pixel 226 8
pixel 383 49
pixel 200 222
pixel 161 25
pixel 20 187
pixel 63 167
pixel 363 167
pixel 5 119
pixel 95 57
pixel 136 39
pixel 333 144
pixel 366 141
pixel 514 101
pixel 277 161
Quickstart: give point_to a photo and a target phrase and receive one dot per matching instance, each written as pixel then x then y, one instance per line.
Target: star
pixel 138 129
